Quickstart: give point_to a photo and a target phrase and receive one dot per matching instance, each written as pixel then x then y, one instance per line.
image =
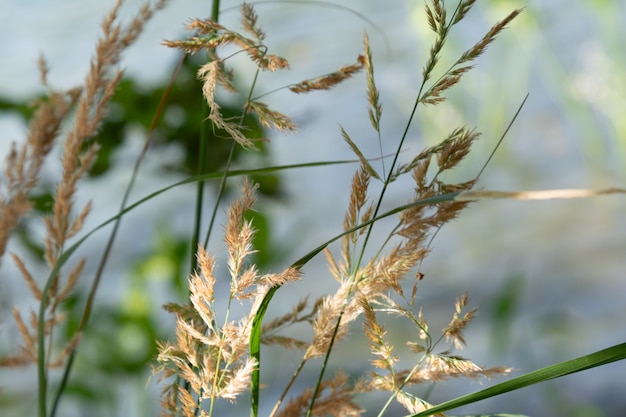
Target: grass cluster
pixel 216 353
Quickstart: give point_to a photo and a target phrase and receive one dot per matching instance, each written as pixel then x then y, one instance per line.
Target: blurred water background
pixel 562 262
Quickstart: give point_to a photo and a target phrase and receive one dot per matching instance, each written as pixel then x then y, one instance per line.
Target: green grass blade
pixel 255 349
pixel 602 357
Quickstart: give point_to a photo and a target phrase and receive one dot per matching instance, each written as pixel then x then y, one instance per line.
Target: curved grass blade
pixel 599 358
pixel 569 193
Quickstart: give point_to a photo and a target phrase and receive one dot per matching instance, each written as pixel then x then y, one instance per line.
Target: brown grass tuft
pixel 249 20
pixel 480 47
pixel 211 355
pixel 328 81
pixel 271 118
pixel 78 151
pixel 373 95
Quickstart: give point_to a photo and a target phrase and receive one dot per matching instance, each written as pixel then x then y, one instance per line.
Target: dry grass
pixel 211 351
pixel 366 288
pixel 88 106
pixel 210 358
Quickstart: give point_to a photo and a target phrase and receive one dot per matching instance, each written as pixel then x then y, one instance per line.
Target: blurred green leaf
pixel 43 202
pixel 503 312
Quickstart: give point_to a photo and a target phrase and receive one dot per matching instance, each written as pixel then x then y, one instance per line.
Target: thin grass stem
pixel 293 378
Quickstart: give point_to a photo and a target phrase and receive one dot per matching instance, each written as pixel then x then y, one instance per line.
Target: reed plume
pixel 87 107
pixel 211 350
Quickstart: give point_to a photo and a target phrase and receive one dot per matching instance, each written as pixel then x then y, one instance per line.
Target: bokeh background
pixel 549 277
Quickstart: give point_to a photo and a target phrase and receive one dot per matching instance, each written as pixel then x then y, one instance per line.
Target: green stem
pixel 199 187
pixel 215 10
pixel 202 156
pixel 204 139
pixel 220 192
pixel 402 385
pixel 41 351
pixel 287 388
